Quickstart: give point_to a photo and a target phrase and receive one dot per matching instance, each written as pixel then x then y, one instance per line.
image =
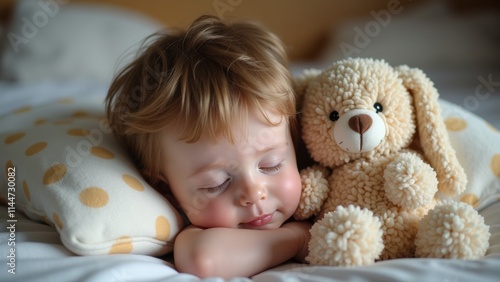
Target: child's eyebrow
pixel 271 148
pixel 204 168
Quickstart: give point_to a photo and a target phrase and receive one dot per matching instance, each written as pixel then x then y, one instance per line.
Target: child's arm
pixel 225 252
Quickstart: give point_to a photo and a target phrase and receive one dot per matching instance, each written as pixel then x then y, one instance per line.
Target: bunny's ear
pixel 432 133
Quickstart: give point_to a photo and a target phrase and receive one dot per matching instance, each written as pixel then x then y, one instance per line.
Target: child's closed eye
pixel 271 169
pixel 216 189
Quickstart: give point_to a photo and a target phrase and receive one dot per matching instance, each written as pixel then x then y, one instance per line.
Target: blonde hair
pixel 203 80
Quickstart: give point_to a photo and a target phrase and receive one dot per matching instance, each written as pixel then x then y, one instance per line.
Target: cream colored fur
pixel 380 131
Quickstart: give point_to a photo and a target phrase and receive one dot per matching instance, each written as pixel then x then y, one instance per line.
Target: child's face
pixel 250 183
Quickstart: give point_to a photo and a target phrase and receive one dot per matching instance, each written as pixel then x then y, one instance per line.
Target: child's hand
pixel 301 230
pixel 229 252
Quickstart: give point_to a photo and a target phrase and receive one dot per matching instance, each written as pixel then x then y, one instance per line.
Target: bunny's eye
pixel 378 107
pixel 334 116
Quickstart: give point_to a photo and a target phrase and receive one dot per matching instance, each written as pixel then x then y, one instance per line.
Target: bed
pixel 92 217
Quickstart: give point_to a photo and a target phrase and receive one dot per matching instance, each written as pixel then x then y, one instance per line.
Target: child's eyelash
pixel 217 188
pixel 272 169
pixel 223 186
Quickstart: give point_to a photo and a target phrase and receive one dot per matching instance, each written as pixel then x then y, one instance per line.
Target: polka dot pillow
pixel 71 173
pixel 477 145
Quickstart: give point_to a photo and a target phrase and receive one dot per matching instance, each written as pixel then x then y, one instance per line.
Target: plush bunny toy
pixel 379 130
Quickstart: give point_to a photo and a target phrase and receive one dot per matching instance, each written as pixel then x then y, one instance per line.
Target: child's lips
pixel 260 221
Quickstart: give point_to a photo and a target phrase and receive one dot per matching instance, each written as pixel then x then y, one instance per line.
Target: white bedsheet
pixel 40 255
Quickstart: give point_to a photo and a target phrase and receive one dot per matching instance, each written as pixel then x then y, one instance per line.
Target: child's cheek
pixel 214 214
pixel 291 190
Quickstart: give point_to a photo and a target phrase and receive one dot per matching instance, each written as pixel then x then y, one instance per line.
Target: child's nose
pixel 252 193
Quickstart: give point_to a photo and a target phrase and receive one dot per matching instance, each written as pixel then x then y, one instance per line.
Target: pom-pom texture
pixel 349 236
pixel 452 230
pixel 407 184
pixel 314 191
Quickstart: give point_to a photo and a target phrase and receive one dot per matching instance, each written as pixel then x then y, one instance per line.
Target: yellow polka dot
pixel 78 132
pixel 54 174
pixel 162 228
pixel 40 121
pixel 133 182
pixel 26 190
pixel 122 246
pixel 470 199
pixel 65 101
pixel 94 197
pixel 79 114
pixel 57 220
pixel 22 110
pixel 101 153
pixel 495 165
pixel 455 124
pixel 14 137
pixel 35 148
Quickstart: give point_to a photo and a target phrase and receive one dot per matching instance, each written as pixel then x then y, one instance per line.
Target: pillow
pixel 476 143
pixel 60 40
pixel 64 166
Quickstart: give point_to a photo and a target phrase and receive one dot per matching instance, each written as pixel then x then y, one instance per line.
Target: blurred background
pixel 303 25
pixel 456 42
pixel 307 27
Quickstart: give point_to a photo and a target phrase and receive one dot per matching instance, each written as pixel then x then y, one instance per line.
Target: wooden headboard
pixel 302 25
